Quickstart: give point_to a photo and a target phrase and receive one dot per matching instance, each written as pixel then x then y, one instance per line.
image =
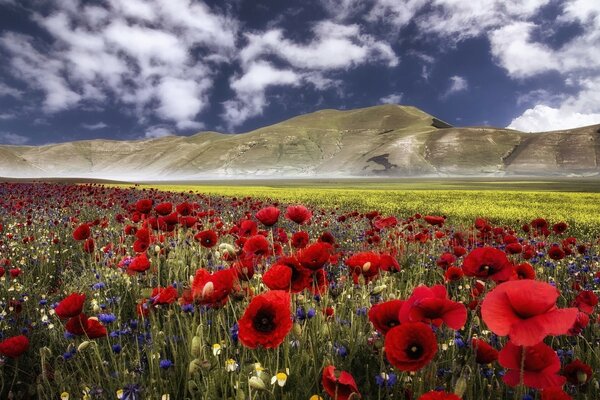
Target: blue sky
pixel 134 69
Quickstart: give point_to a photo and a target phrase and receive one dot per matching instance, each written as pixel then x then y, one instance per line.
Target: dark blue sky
pixel 131 69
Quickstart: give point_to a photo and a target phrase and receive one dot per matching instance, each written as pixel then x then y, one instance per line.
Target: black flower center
pixel 487 269
pixel 263 322
pixel 414 351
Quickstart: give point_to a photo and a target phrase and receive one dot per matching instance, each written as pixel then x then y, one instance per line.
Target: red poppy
pixel 266 321
pixel 207 238
pixel 364 264
pixel 139 264
pixel 488 263
pixel 89 245
pixel 586 301
pixel 82 232
pixel 144 206
pixel 315 256
pixel 446 260
pixel 484 353
pixel 166 295
pixel 163 208
pixel 184 208
pixel 340 385
pixel 140 246
pixel 300 240
pixel 389 222
pixel 268 216
pixel 388 263
pixel 287 274
pixel 555 393
pixel 384 316
pixel 524 271
pixel 438 395
pixel 256 246
pixel 540 365
pixel 526 311
pixel 70 306
pixel 453 274
pixel 410 346
pixel 14 346
pixel 94 329
pixel 514 248
pixel 213 289
pixel 434 220
pixel 75 325
pixel 247 228
pixel 578 372
pixel 560 227
pixel 579 325
pixel 432 305
pixel 556 253
pixel 298 214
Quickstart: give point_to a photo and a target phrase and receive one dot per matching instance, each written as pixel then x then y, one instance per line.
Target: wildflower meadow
pixel 135 293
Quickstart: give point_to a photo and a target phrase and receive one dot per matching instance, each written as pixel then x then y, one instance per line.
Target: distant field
pixel 502 201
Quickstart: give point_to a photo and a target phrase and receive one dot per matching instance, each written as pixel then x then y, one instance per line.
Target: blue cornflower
pixel 99 285
pixel 311 313
pixel 107 318
pixel 116 348
pixel 233 331
pixel 166 364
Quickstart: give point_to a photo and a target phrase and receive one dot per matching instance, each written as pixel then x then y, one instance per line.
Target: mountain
pixel 386 140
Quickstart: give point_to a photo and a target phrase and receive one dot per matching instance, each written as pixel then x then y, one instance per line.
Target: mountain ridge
pixel 385 140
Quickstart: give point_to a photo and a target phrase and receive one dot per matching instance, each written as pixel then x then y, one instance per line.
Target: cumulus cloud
pixel 9 91
pixel 137 52
pixel 13 138
pixel 333 47
pixel 394 98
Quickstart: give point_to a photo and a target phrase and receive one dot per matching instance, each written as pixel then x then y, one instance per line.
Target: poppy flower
pixel 560 227
pixel 484 353
pixel 365 264
pixel 488 263
pixel 207 238
pixel 315 256
pixel 164 208
pixel 268 216
pixel 139 264
pixel 410 346
pixel 526 311
pixel 388 263
pixel 434 220
pixel 578 372
pixel 287 274
pixel 586 300
pixel 446 260
pixel 340 385
pixel 89 246
pixel 524 271
pixel 94 329
pixel 139 246
pixel 540 365
pixel 266 321
pixel 300 240
pixel 14 346
pixel 247 228
pixel 438 395
pixel 514 248
pixel 75 325
pixel 555 393
pixel 298 214
pixel 70 306
pixel 82 232
pixel 556 253
pixel 384 316
pixel 453 274
pixel 144 206
pixel 184 209
pixel 166 295
pixel 213 289
pixel 432 305
pixel 256 246
pixel 579 325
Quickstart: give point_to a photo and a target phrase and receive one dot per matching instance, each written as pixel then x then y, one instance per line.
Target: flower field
pixel 135 293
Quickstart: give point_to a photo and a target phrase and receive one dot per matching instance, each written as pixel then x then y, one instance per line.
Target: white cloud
pixel 457 84
pixel 140 53
pixel 574 111
pixel 158 131
pixel 250 91
pixel 97 125
pixel 394 98
pixel 5 116
pixel 13 138
pixel 9 91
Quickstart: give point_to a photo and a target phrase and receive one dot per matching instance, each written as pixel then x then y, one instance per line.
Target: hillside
pixel 387 140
